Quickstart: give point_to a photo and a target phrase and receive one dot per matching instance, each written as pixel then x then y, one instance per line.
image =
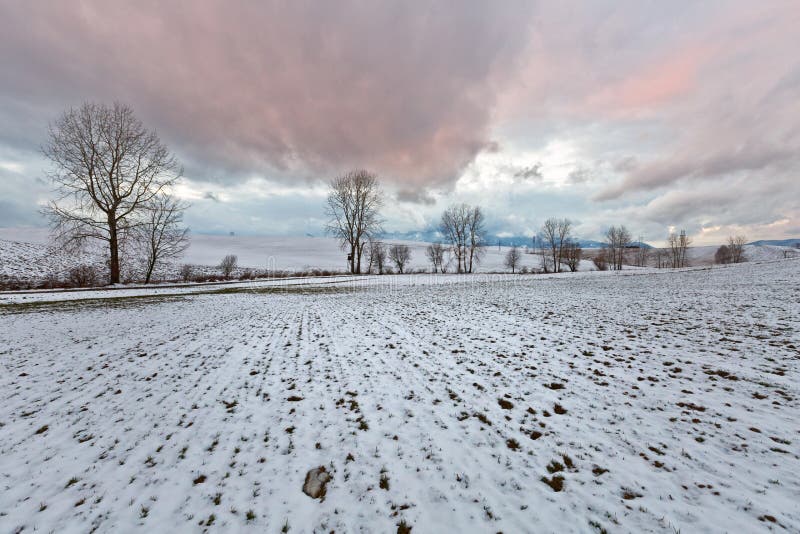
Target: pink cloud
pixel 307 87
pixel 657 83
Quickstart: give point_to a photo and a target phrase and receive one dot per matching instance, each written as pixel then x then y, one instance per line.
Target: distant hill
pixel 426 236
pixel 777 242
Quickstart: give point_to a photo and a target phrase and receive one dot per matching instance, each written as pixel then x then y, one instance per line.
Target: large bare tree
pixel 454 228
pixel 107 168
pixel 161 236
pixel 464 227
pixel 555 234
pixel 354 203
pixel 476 234
pixel 513 258
pixel 678 245
pixel 400 256
pixel 435 254
pixel 618 238
pixel 376 256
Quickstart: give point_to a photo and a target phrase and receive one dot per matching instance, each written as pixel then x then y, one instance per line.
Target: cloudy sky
pixel 658 115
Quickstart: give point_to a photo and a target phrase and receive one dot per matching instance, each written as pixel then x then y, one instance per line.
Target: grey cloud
pixel 531 172
pixel 581 175
pixel 416 196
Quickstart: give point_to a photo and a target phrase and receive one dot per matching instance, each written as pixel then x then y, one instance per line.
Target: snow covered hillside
pixel 634 402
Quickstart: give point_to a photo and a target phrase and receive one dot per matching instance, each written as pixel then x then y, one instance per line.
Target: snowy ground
pixel 638 402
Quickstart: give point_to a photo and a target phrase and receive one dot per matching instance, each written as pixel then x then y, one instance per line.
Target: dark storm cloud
pixel 400 87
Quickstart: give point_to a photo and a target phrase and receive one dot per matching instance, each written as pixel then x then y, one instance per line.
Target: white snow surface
pixel 666 400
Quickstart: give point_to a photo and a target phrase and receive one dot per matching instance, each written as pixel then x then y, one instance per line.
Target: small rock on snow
pixel 316 479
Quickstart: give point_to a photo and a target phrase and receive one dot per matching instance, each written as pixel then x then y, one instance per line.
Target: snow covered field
pixel 634 402
pixel 23 250
pixel 26 253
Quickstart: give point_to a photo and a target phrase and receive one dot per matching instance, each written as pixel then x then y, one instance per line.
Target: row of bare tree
pixel 620 249
pixel 354 203
pixel 379 256
pixel 353 210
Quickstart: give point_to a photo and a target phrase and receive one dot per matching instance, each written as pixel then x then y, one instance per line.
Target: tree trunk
pixel 150 266
pixel 352 258
pixel 113 244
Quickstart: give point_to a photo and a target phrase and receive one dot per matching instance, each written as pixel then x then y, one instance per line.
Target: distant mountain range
pixel 432 236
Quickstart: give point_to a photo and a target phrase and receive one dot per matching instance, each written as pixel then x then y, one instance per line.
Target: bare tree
pixel 736 247
pixel 454 228
pixel 161 237
pixel 107 168
pixel 435 255
pixel 641 253
pixel 376 255
pixel 513 258
pixel 684 242
pixel 545 258
pixel 354 201
pixel 572 255
pixel 476 236
pixel 400 256
pixel 723 255
pixel 549 239
pixel 555 234
pixel 464 227
pixel 228 265
pixel 618 238
pixel 678 244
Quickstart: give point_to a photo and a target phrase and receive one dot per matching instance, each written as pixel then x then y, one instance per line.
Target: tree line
pixel 353 209
pixel 115 181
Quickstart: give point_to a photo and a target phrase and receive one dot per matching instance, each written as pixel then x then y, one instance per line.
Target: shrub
pixel 83 276
pixel 186 272
pixel 600 261
pixel 228 265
